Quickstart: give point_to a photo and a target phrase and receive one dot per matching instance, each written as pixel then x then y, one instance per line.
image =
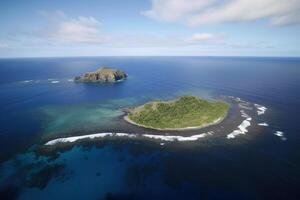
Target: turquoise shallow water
pixel 78 118
pixel 40 102
pixel 93 117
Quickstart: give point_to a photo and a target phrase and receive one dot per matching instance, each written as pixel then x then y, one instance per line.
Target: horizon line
pixel 224 56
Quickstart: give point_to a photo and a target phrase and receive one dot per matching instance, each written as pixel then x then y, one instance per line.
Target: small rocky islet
pixel 103 74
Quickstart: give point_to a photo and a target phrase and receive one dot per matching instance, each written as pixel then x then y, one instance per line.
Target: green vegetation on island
pixel 103 74
pixel 182 113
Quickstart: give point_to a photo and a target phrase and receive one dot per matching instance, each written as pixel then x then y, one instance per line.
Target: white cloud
pixel 172 10
pixel 65 34
pixel 88 30
pixel 80 30
pixel 167 40
pixel 199 12
pixel 72 30
pixel 292 18
pixel 51 15
pixel 200 37
pixel 3 45
pixel 217 40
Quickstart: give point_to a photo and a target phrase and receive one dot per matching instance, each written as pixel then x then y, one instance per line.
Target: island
pixel 186 112
pixel 103 74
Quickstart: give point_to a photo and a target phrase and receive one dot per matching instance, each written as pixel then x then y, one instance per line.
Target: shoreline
pixel 217 121
pixel 241 129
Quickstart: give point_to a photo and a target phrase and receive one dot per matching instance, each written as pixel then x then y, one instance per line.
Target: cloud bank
pixel 201 12
pixel 3 45
pixel 87 30
pixel 81 29
pixel 86 35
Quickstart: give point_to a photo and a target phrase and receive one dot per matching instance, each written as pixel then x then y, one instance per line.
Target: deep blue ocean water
pixel 38 101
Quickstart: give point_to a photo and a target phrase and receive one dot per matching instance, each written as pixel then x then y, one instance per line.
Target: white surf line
pixel 241 101
pixel 53 80
pixel 102 135
pixel 260 109
pixel 263 124
pixel 243 114
pixel 245 105
pixel 238 99
pixel 27 81
pixel 280 134
pixel 75 138
pixel 242 129
pixel 177 138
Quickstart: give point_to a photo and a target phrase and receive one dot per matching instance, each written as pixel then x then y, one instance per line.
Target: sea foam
pixel 175 137
pixel 245 105
pixel 242 129
pixel 260 109
pixel 263 124
pixel 102 135
pixel 280 134
pixel 27 81
pixel 243 114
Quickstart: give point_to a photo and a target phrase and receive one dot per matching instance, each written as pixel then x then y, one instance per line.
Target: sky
pixel 64 28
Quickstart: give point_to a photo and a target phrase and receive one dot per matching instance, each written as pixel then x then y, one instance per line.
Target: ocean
pixel 40 102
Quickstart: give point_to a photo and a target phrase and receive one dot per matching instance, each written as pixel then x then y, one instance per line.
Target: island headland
pixel 103 74
pixel 183 113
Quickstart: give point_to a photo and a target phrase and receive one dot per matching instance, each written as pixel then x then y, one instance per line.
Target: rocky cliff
pixel 103 74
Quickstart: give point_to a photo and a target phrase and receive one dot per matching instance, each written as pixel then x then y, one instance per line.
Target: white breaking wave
pixel 91 136
pixel 260 109
pixel 280 134
pixel 238 99
pixel 54 81
pixel 176 138
pixel 242 129
pixel 243 114
pixel 263 124
pixel 27 81
pixel 245 105
pixel 102 135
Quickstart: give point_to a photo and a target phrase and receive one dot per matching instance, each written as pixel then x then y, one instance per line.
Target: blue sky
pixel 50 28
